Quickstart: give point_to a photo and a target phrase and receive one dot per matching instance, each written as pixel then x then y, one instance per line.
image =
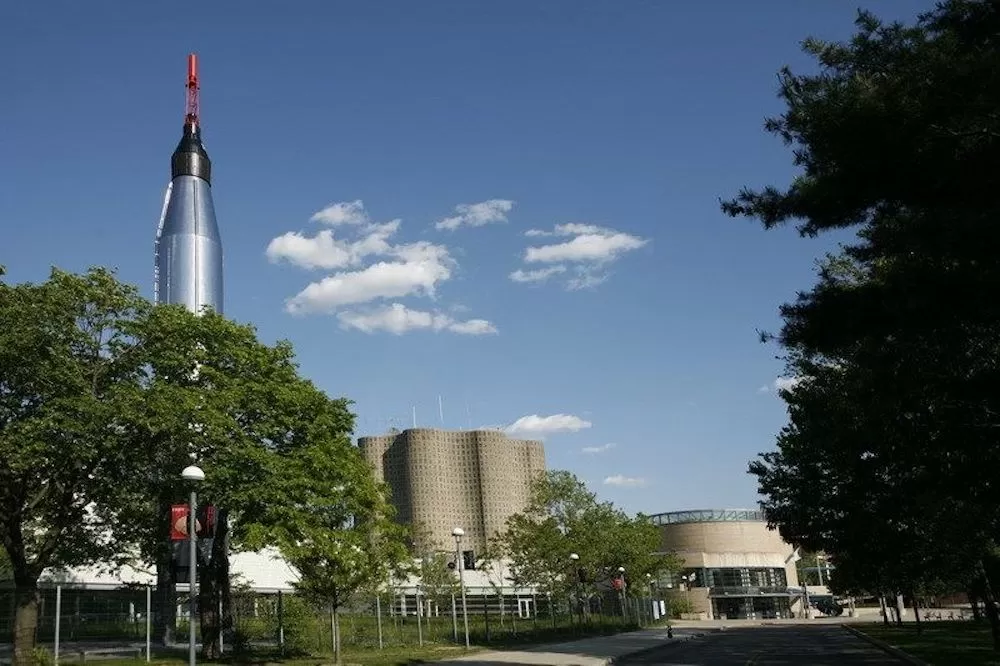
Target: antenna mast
pixel 191 115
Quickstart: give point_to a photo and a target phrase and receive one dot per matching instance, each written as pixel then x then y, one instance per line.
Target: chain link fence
pixel 81 622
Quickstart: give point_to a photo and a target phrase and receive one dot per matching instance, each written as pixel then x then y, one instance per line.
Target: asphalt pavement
pixel 798 645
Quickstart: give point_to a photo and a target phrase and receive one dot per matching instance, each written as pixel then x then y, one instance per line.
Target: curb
pixel 611 661
pixel 885 647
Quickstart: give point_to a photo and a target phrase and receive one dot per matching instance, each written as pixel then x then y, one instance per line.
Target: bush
pixel 42 657
pixel 677 606
pixel 299 620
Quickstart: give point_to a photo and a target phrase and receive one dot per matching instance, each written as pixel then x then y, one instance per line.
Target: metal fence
pixel 80 621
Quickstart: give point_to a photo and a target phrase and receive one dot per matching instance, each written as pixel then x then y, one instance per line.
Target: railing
pixel 748 591
pixel 708 516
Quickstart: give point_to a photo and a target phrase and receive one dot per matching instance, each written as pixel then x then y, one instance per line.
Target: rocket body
pixel 188 261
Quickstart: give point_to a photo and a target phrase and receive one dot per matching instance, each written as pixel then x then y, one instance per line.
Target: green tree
pixel 66 361
pixel 104 398
pixel 888 458
pixel 211 390
pixel 341 536
pixel 562 518
pixel 438 582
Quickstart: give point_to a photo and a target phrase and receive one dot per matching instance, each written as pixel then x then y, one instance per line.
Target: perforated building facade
pixel 442 479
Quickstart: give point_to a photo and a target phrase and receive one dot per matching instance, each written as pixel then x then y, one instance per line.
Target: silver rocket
pixel 188 249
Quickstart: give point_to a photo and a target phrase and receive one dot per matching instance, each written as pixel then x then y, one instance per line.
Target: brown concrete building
pixel 444 479
pixel 734 566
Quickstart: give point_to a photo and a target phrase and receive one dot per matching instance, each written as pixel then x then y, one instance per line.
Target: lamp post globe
pixel 458 532
pixel 574 557
pixel 193 473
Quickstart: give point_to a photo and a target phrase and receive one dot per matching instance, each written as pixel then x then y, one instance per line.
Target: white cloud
pixel 586 279
pixel 398 319
pixel 542 425
pixel 786 383
pixel 399 270
pixel 780 384
pixel 591 244
pixel 325 251
pixel 343 212
pixel 539 275
pixel 419 269
pixel 477 214
pixel 624 481
pixel 590 249
pixel 603 448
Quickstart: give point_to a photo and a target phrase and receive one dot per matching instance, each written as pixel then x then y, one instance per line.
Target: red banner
pixel 178 522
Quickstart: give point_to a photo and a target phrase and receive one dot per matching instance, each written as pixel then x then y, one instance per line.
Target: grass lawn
pixel 394 656
pixel 438 645
pixel 941 643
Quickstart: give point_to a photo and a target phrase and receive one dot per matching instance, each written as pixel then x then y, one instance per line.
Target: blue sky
pixel 344 134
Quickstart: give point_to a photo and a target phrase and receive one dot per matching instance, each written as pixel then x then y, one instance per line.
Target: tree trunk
pixel 898 604
pixel 165 613
pixel 885 609
pixel 25 618
pixel 214 582
pixel 974 603
pixel 994 617
pixel 916 613
pixel 225 582
pixel 336 637
pixel 208 615
pixel 990 604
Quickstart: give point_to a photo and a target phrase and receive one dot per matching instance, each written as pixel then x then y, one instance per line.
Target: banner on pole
pixel 178 522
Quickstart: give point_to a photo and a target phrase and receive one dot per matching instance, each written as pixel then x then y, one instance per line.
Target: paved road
pixel 594 651
pixel 769 646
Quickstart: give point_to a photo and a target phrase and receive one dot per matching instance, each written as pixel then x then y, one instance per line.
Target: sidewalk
pixel 597 651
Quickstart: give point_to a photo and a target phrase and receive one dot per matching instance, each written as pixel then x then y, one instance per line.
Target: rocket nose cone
pixel 190 157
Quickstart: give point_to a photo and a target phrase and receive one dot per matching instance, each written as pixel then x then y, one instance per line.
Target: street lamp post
pixel 194 475
pixel 458 533
pixel 621 591
pixel 688 580
pixel 649 591
pixel 574 558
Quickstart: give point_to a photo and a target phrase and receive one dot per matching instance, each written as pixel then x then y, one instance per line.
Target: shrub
pixel 677 606
pixel 42 657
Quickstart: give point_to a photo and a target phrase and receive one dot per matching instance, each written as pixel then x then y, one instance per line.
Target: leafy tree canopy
pixel 104 398
pixel 888 458
pixel 342 540
pixel 563 518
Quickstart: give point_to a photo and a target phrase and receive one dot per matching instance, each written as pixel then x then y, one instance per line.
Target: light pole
pixel 194 475
pixel 574 558
pixel 649 591
pixel 458 533
pixel 688 580
pixel 621 578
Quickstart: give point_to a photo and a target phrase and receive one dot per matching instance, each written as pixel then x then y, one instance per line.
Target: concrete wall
pixel 725 544
pixel 444 479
